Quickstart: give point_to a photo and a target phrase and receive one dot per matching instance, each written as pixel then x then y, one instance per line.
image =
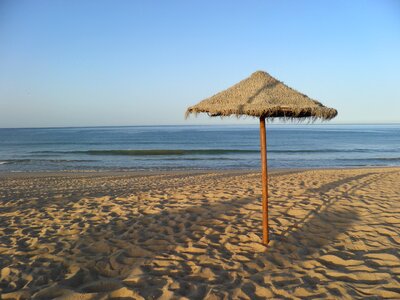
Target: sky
pixel 119 63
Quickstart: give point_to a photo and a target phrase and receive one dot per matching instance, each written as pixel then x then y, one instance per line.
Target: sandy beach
pixel 335 234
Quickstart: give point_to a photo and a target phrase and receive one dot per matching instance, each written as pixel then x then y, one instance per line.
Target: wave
pixel 155 152
pixel 27 161
pixel 356 150
pixel 311 151
pixel 371 159
pixel 390 158
pixel 173 152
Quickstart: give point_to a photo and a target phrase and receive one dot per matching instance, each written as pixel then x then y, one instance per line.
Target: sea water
pixel 197 147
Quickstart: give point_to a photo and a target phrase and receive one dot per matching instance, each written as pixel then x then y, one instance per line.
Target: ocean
pixel 197 147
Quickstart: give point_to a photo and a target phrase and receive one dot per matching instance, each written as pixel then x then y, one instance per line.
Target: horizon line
pixel 187 125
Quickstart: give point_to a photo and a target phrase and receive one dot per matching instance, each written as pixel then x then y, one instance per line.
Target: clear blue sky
pixel 89 63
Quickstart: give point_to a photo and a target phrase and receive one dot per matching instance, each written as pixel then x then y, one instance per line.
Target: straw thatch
pixel 261 95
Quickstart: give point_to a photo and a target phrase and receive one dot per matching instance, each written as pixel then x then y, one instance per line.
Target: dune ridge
pixel 335 234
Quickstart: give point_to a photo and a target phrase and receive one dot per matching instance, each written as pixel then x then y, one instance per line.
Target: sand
pixel 335 235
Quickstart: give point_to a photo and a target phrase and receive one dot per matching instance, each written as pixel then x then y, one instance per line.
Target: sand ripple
pixel 335 235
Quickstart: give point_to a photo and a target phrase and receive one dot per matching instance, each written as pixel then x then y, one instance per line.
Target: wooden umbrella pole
pixel 263 144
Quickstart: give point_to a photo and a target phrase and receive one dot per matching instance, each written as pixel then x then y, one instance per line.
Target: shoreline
pixel 94 173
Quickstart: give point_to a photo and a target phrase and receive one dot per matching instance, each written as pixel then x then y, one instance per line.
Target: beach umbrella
pixel 264 97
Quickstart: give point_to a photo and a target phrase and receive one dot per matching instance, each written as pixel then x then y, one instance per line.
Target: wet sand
pixel 196 235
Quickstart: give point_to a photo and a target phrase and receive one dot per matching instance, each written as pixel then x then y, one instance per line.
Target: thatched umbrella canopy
pixel 265 97
pixel 261 95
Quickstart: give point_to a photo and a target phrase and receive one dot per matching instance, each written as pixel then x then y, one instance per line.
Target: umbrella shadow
pixel 315 232
pixel 327 202
pixel 290 256
pixel 332 185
